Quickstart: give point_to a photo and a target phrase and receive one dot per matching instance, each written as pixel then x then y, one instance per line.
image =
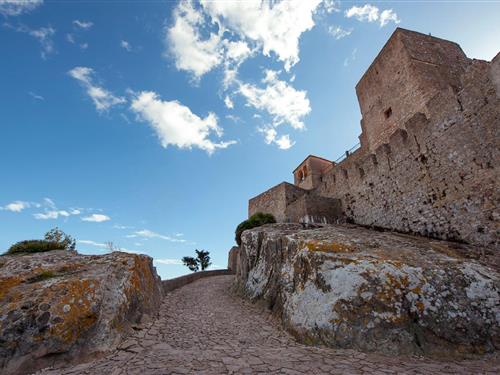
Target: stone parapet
pixel 172 284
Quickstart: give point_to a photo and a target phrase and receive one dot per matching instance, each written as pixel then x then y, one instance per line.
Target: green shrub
pixel 34 246
pixel 202 261
pixel 256 220
pixel 55 239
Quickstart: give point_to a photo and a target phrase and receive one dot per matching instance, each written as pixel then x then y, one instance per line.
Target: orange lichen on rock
pixel 7 284
pixel 75 308
pixel 330 247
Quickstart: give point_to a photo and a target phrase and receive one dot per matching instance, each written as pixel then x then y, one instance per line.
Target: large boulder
pixel 350 287
pixel 60 306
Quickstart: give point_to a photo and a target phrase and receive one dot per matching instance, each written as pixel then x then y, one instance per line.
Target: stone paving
pixel 205 329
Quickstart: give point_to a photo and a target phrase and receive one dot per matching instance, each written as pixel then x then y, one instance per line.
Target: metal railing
pixel 348 152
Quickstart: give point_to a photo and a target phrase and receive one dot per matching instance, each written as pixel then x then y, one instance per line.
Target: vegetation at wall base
pixel 256 220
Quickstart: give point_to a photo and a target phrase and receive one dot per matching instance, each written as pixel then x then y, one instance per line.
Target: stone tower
pixel 309 173
pixel 409 70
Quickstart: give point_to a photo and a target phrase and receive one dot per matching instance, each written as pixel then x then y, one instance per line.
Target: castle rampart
pixel 434 170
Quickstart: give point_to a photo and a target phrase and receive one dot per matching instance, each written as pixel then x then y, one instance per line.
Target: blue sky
pixel 151 124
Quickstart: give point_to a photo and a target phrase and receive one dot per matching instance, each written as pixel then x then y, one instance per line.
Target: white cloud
pixel 51 211
pixel 106 246
pixel 191 51
pixel 348 60
pixel 49 202
pixel 36 96
pixel 126 45
pixel 237 51
pixel 17 7
pixel 271 136
pixel 16 206
pixel 284 142
pixel 71 37
pixel 102 98
pixel 331 6
pixel 96 218
pixel 284 103
pixel 43 35
pixel 235 54
pixel 216 267
pixel 371 13
pixel 365 13
pixel 176 125
pixel 205 36
pixel 168 261
pixel 83 24
pixel 338 32
pixel 118 226
pixel 54 214
pixel 125 250
pixel 146 233
pixel 228 102
pixel 274 26
pixel 233 118
pixel 388 15
pixel 93 243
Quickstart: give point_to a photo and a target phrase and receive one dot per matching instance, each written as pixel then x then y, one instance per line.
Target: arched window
pixel 300 175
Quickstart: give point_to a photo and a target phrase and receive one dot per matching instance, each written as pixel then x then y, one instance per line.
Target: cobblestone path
pixel 204 329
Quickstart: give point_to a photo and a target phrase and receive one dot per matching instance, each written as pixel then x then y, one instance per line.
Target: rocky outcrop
pixel 62 306
pixel 350 287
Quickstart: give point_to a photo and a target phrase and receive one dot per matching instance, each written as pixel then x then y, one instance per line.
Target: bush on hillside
pixel 256 220
pixel 58 236
pixel 55 239
pixel 34 246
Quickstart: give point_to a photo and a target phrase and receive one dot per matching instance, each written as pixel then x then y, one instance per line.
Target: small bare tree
pixel 112 247
pixel 56 235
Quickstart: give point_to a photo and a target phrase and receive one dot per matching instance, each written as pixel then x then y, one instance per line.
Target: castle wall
pixel 288 203
pixel 310 208
pixel 438 174
pixel 275 201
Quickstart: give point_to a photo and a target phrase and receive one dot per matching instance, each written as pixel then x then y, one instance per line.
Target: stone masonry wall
pixel 439 177
pixel 309 208
pixel 275 200
pixel 289 203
